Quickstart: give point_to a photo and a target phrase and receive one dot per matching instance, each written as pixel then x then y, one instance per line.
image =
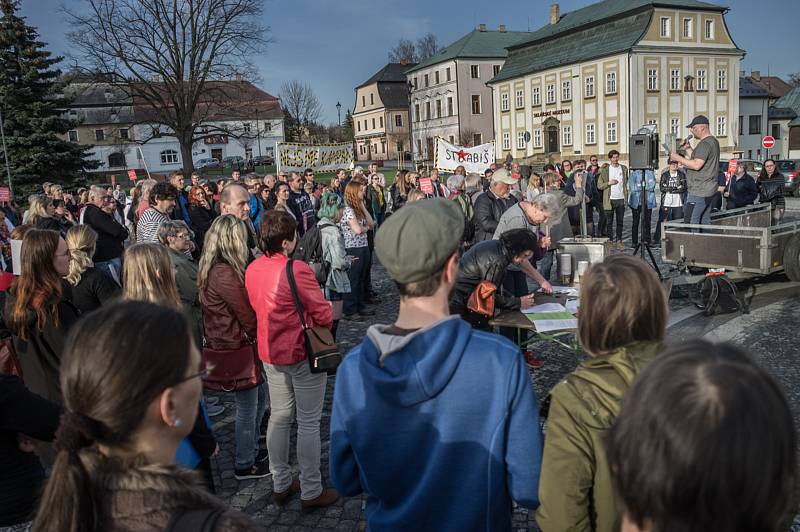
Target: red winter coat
pixel 280 334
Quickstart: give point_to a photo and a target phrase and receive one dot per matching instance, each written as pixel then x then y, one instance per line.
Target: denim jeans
pixel 112 267
pixel 545 264
pixel 250 407
pixel 354 300
pixel 698 210
pixel 295 392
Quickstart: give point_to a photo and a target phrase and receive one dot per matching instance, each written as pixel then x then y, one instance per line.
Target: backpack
pixel 465 203
pixel 716 294
pixel 309 250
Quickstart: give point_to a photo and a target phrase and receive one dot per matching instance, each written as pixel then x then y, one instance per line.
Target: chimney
pixel 481 27
pixel 501 28
pixel 555 13
pixel 238 77
pixel 403 61
pixel 756 75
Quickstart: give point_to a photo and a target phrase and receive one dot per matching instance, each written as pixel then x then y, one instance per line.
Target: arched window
pixel 116 160
pixel 169 157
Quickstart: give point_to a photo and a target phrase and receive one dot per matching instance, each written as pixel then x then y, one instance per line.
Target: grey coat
pixel 560 226
pixel 333 252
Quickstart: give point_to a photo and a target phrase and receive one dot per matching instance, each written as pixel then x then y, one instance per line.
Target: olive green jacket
pixel 575 484
pixel 186 279
pixel 605 188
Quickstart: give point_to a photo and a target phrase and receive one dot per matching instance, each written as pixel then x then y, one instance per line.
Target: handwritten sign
pixel 321 157
pixel 5 194
pixel 426 185
pixel 132 175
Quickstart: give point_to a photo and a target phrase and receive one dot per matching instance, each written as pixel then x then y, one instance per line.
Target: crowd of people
pixel 129 316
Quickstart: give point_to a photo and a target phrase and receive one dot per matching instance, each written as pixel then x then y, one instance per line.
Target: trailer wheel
pixel 791 258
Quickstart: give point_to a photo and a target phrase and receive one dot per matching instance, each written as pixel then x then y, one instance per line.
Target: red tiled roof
pixel 776 87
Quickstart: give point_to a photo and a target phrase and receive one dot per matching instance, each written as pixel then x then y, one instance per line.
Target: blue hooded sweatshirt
pixel 440 428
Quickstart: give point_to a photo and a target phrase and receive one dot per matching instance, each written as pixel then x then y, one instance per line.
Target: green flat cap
pixel 416 241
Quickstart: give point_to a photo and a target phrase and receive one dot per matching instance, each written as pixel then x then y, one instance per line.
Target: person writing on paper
pixel 621 326
pixel 489 261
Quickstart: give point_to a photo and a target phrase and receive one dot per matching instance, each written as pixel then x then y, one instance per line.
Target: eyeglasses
pixel 184 236
pixel 203 373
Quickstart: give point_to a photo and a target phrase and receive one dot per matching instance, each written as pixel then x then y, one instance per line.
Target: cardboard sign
pixel 426 185
pixel 132 175
pixel 5 194
pixel 113 180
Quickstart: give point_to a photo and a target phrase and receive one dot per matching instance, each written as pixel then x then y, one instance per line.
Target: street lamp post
pixel 5 155
pixel 339 112
pixel 258 133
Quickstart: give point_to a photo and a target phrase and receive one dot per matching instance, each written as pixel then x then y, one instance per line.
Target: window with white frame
pixel 537 138
pixel 372 99
pixel 447 74
pixel 398 120
pixel 722 126
pixel 438 108
pixel 666 24
pixel 427 80
pixel 428 111
pixel 653 122
pixel 709 25
pixel 551 93
pixel 504 101
pixel 652 79
pixel 450 111
pixel 520 99
pixel 506 141
pixel 416 114
pixel 611 82
pixel 123 133
pixel 674 125
pixel 566 90
pixel 566 135
pixel 99 134
pixel 73 135
pixel 590 138
pixel 477 139
pixel 536 96
pixel 687 28
pixel 436 77
pixel 675 79
pixel 474 72
pixel 611 132
pixel 520 140
pixel 722 79
pixel 380 119
pixel 169 157
pixel 495 70
pixel 589 87
pixel 476 104
pixel 702 81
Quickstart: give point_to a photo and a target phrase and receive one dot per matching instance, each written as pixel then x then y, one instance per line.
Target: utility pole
pixel 5 155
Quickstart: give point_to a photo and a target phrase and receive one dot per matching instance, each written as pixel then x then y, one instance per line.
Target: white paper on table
pixel 545 307
pixel 555 325
pixel 573 305
pixel 568 290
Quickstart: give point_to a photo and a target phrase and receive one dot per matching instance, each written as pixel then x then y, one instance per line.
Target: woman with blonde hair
pixel 148 275
pixel 621 326
pixel 355 223
pixel 91 287
pixel 42 214
pixel 230 334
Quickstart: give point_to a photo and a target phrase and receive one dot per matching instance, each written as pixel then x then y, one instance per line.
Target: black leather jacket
pixel 488 210
pixel 487 261
pixel 770 189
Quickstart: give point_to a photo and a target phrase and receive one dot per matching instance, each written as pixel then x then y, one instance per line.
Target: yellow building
pixel 380 116
pixel 582 84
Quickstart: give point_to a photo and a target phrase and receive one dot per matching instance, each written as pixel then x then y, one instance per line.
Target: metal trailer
pixel 745 241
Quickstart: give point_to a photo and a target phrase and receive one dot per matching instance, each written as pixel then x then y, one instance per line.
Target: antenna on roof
pixel 529 23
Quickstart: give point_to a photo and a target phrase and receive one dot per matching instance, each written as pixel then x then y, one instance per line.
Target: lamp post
pixel 258 133
pixel 339 112
pixel 5 155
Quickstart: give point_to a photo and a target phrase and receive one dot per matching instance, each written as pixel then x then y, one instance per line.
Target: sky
pixel 335 45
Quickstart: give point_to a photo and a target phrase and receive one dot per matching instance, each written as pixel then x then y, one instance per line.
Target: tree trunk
pixel 185 141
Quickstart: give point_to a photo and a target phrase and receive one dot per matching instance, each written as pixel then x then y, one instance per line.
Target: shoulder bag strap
pixel 293 288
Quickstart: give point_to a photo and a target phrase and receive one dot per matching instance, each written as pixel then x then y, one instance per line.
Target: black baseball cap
pixel 699 119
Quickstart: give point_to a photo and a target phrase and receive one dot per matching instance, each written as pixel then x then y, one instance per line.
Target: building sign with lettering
pixel 554 112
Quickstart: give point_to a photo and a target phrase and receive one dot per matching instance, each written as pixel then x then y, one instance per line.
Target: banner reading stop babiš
pixel 294 157
pixel 474 160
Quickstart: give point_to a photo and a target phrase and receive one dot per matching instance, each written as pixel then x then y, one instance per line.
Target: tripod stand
pixel 644 231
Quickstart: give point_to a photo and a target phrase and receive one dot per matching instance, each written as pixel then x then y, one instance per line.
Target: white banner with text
pixel 474 160
pixel 291 157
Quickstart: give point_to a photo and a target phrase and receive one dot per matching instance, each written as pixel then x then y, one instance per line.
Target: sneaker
pixel 280 498
pixel 532 361
pixel 214 410
pixel 262 456
pixel 258 470
pixel 326 498
pixel 352 317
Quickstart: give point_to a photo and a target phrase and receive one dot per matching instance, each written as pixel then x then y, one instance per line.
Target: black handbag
pixel 321 350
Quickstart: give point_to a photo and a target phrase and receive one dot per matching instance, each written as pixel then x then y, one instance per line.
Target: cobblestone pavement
pixel 255 496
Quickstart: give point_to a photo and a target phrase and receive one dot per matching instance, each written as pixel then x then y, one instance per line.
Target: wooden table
pixel 567 338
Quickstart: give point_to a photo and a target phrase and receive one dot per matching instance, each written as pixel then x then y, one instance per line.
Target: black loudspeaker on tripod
pixel 643 157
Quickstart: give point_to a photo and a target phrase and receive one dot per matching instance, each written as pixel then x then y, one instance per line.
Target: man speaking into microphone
pixel 702 167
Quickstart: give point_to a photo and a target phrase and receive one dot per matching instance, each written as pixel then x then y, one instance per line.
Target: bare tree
pixel 794 79
pixel 164 52
pixel 300 102
pixel 405 51
pixel 427 46
pixel 467 136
